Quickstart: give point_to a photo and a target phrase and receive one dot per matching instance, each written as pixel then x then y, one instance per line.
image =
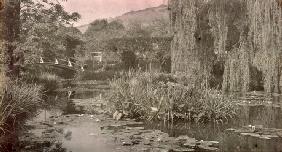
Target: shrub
pixel 158 96
pixel 19 102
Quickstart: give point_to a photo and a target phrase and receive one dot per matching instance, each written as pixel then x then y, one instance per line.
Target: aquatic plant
pixel 19 102
pixel 148 95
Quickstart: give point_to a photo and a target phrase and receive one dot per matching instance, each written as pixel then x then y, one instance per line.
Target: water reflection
pixel 268 116
pixel 84 139
pixel 87 94
pixel 64 102
pixel 71 108
pixel 206 132
pixel 234 142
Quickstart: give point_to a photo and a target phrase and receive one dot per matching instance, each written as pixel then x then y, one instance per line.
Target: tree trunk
pixel 2 75
pixel 10 29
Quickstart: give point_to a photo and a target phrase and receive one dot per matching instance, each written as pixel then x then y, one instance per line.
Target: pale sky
pixel 96 9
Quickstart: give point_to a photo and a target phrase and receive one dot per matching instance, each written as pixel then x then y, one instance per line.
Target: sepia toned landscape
pixel 142 76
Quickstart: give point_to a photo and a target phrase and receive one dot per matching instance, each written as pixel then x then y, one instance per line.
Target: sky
pixel 97 9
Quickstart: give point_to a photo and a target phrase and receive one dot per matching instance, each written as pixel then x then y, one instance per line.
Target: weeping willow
pixel 236 76
pixel 186 23
pixel 259 47
pixel 246 33
pixel 219 28
pixel 265 22
pixel 183 22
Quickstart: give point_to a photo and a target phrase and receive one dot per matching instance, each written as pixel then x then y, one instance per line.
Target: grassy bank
pixel 48 80
pixel 161 96
pixel 18 103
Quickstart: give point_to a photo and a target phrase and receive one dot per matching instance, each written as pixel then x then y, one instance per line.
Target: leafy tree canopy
pixel 100 31
pixel 45 28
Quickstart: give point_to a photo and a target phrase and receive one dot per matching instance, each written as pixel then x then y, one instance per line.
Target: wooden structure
pixel 96 56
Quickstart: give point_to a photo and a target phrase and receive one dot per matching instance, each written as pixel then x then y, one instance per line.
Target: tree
pixel 9 33
pixel 245 35
pixel 29 27
pixel 41 32
pixel 128 59
pixel 72 40
pixel 99 32
pixel 160 28
pixel 10 30
pixel 135 29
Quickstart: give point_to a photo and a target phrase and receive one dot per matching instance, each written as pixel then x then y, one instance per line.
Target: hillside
pixel 146 17
pixel 83 28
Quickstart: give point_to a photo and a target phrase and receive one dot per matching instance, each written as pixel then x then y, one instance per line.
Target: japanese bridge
pixel 68 64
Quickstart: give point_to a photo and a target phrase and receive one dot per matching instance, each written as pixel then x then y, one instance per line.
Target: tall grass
pixel 49 81
pixel 18 103
pixel 150 96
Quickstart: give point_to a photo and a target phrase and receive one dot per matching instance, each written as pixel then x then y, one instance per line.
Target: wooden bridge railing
pixel 65 63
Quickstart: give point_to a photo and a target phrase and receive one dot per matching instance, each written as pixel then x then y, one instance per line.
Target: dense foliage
pixel 148 43
pixel 46 30
pixel 161 96
pixel 244 35
pixel 142 51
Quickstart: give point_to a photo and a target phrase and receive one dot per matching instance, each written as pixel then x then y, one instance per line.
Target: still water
pixel 87 136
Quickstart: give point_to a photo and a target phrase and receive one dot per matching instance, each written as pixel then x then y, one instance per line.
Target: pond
pixel 82 131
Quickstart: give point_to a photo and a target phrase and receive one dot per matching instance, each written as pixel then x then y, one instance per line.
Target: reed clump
pixel 149 95
pixel 18 102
